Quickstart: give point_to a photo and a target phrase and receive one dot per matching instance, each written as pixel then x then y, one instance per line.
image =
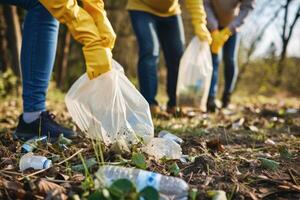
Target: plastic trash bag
pixel 195 72
pixel 110 108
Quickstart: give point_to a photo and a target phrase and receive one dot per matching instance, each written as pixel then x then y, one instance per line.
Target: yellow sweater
pixel 162 8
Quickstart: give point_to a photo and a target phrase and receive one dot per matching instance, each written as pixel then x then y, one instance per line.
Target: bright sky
pixel 260 16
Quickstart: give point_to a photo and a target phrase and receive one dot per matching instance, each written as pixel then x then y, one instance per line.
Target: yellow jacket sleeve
pixel 83 29
pixel 198 15
pixel 96 9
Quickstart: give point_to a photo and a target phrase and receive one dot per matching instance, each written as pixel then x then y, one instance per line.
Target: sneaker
pixel 225 100
pixel 211 104
pixel 158 113
pixel 43 126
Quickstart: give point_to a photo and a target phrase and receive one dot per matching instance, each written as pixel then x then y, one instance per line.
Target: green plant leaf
pixel 96 195
pixel 285 153
pixel 193 193
pixel 149 193
pixel 122 188
pixel 269 164
pixel 174 169
pixel 139 160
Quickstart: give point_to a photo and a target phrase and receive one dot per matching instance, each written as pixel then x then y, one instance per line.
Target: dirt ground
pixel 250 152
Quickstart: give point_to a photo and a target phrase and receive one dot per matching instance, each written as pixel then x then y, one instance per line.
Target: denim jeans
pixel 39 42
pixel 151 32
pixel 230 50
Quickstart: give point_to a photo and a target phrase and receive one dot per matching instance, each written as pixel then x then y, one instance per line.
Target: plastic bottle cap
pixel 47 164
pixel 27 148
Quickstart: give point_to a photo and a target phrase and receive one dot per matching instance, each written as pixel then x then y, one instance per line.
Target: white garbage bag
pixel 109 107
pixel 195 74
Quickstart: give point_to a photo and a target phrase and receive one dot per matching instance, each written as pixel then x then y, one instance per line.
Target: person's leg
pixel 230 51
pixel 144 26
pixel 40 32
pixel 171 36
pixel 211 105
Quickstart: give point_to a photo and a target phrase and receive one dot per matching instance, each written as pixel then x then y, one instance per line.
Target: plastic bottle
pixel 169 136
pixel 172 187
pixel 31 144
pixel 163 148
pixel 36 162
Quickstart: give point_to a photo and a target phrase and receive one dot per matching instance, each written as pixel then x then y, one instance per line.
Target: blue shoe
pixel 45 125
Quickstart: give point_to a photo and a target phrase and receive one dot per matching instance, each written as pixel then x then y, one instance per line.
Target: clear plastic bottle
pixel 171 187
pixel 163 148
pixel 169 136
pixel 29 160
pixel 32 144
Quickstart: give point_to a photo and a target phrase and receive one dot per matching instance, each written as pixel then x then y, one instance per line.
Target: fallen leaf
pixel 45 186
pixel 15 188
pixel 215 145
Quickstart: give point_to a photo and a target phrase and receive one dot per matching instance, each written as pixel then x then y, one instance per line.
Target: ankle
pixel 29 117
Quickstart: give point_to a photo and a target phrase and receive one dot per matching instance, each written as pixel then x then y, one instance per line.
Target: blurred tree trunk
pixel 62 59
pixel 4 55
pixel 285 38
pixel 13 35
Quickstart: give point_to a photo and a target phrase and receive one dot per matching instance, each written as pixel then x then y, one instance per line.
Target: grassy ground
pixel 227 151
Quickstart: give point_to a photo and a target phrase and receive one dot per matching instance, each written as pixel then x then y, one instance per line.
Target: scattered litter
pixel 171 187
pixel 162 148
pixel 238 124
pixel 31 145
pixel 291 111
pixel 217 195
pixel 29 160
pixel 270 142
pixel 169 136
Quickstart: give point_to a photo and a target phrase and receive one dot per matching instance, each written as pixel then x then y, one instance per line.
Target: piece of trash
pixel 169 136
pixel 238 124
pixel 31 145
pixel 194 75
pixel 122 113
pixel 29 160
pixel 217 195
pixel 63 140
pixel 162 148
pixel 269 164
pixel 270 142
pixel 89 163
pixel 172 187
pixel 184 159
pixel 174 169
pixel 291 111
pixel 253 128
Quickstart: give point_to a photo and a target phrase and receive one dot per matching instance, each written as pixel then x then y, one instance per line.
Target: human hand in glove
pixel 219 38
pixel 203 34
pixel 101 63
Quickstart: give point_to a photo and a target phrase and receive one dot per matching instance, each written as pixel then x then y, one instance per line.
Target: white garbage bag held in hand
pixel 195 72
pixel 110 108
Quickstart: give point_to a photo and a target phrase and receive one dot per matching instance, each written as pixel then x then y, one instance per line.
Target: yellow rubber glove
pixel 83 28
pixel 219 39
pixel 96 9
pixel 198 15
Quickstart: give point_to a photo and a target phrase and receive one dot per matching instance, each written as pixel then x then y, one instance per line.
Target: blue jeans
pixel 39 42
pixel 151 32
pixel 230 50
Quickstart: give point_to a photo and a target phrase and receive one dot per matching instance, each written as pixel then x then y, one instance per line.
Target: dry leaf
pixel 215 145
pixel 45 186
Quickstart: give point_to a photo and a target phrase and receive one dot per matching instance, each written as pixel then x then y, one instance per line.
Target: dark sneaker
pixel 211 104
pixel 225 100
pixel 43 126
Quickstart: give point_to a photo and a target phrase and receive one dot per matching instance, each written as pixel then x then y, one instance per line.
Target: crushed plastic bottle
pixel 167 186
pixel 31 145
pixel 163 148
pixel 169 136
pixel 29 160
